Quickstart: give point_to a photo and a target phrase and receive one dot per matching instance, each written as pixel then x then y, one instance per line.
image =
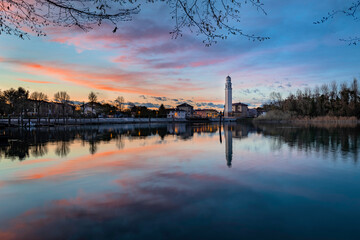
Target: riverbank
pixel 277 117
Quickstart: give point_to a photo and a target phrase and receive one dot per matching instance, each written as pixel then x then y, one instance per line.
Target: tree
pixel 63 98
pixel 162 111
pixel 17 99
pixel 39 98
pixel 276 99
pixel 3 104
pixel 92 99
pixel 119 102
pixel 213 19
pixel 321 101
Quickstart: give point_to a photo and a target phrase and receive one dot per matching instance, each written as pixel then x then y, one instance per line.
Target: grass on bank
pixel 277 116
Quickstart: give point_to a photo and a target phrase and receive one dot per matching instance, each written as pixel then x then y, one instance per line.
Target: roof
pixel 242 104
pixel 184 105
pixel 177 110
pixel 204 110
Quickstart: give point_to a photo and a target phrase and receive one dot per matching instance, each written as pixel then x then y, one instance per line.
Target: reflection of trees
pixel 39 150
pixel 23 143
pixel 62 149
pixel 16 149
pixel 323 140
pixel 92 147
pixel 119 142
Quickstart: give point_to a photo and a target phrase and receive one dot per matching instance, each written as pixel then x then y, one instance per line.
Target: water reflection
pixel 174 181
pixel 336 141
pixel 21 144
pixel 228 145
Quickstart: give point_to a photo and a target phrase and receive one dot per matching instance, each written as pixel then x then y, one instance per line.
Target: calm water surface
pixel 180 182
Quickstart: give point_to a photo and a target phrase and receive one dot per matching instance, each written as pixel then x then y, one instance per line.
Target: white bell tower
pixel 228 97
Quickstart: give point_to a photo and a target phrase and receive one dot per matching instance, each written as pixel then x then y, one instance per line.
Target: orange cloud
pixel 102 78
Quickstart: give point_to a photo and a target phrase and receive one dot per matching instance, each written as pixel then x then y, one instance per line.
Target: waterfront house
pixel 176 114
pixel 50 109
pixel 252 112
pixel 206 113
pixel 189 110
pixel 240 110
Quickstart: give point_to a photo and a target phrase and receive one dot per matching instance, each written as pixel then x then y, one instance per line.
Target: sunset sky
pixel 142 63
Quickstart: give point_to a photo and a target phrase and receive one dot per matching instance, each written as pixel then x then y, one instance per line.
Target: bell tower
pixel 228 97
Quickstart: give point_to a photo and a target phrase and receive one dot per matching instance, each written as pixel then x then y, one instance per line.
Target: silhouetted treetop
pixel 210 18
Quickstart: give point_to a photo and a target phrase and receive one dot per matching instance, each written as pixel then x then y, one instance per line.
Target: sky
pixel 145 65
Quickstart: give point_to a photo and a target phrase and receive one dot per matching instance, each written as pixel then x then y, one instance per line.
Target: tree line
pixel 23 104
pixel 20 102
pixel 325 100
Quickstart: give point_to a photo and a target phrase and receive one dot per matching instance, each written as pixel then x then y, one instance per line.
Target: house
pixel 252 112
pixel 88 110
pixel 50 109
pixel 206 113
pixel 176 114
pixel 187 108
pixel 240 110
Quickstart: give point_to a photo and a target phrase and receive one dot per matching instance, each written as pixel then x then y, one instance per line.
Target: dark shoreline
pixel 45 122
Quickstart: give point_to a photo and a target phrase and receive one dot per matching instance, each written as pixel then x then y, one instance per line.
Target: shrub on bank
pixel 290 117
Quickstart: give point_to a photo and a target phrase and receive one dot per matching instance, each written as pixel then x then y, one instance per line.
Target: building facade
pixel 177 114
pixel 189 110
pixel 240 110
pixel 206 113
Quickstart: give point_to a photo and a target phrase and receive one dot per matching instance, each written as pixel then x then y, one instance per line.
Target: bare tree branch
pixel 350 11
pixel 213 19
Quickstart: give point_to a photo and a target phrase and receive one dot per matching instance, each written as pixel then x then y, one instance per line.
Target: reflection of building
pixel 206 113
pixel 207 128
pixel 240 110
pixel 233 132
pixel 228 144
pixel 181 130
pixel 187 108
pixel 228 97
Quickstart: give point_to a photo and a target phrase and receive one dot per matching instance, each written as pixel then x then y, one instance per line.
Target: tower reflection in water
pixel 228 144
pixel 233 131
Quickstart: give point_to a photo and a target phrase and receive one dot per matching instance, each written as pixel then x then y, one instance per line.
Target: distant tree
pixel 215 20
pixel 63 98
pixel 17 99
pixel 107 109
pixel 321 101
pixel 119 102
pixel 92 100
pixel 3 104
pixel 39 98
pixel 276 99
pixel 162 111
pixel 142 112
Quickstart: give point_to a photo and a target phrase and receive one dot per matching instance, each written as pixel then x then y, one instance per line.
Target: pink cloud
pixel 109 79
pixel 35 81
